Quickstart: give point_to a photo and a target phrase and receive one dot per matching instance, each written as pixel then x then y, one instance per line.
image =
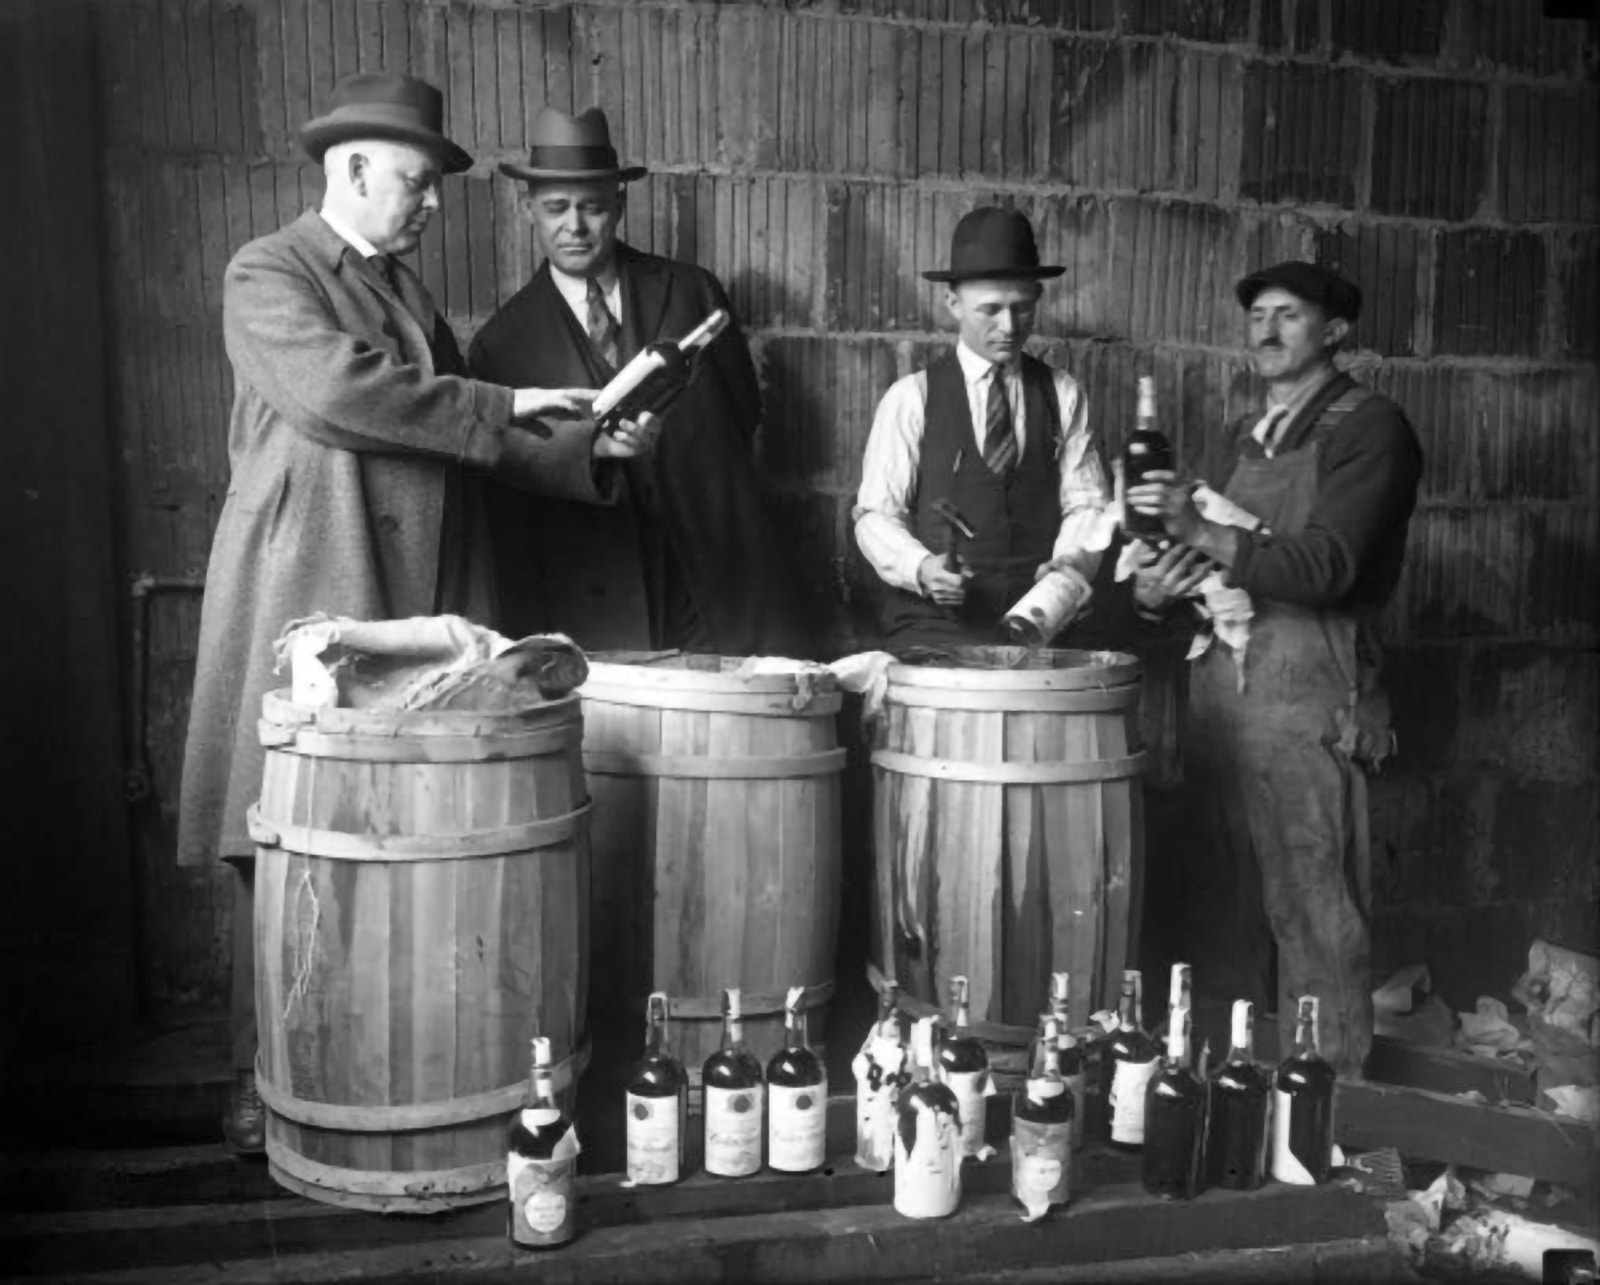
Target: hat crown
pixel 553 127
pixel 992 241
pixel 388 89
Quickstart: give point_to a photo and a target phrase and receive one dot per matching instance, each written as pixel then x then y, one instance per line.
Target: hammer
pixel 954 523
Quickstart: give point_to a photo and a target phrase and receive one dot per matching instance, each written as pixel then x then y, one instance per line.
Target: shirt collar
pixel 1302 399
pixel 359 243
pixel 575 290
pixel 974 367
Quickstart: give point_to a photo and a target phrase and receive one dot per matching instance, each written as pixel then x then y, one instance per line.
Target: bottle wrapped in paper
pixel 424 663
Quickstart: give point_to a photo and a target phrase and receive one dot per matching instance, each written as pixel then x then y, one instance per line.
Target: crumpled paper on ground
pixel 423 662
pixel 1403 1009
pixel 1489 1031
pixel 1562 987
pixel 866 673
pixel 1581 1102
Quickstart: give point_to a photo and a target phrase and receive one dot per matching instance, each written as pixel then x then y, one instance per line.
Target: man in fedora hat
pixel 994 432
pixel 353 419
pixel 1281 734
pixel 689 560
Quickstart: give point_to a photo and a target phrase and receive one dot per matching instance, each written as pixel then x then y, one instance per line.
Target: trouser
pixel 242 991
pixel 1285 811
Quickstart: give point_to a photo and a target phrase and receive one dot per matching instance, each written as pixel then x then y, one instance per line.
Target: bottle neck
pixel 794 1022
pixel 1046 1058
pixel 1241 1038
pixel 543 1091
pixel 655 1036
pixel 732 1032
pixel 1305 1038
pixel 1178 1037
pixel 1126 1013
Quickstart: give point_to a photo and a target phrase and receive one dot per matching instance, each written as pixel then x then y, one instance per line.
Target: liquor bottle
pixel 1129 1060
pixel 927 1137
pixel 881 1071
pixel 1147 451
pixel 1042 1115
pixel 655 376
pixel 1178 996
pixel 1045 610
pixel 658 1106
pixel 797 1097
pixel 1302 1106
pixel 1175 1119
pixel 733 1098
pixel 541 1159
pixel 1241 1105
pixel 1070 1054
pixel 964 1066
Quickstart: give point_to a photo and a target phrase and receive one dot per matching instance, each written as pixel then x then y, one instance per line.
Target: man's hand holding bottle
pixel 627 439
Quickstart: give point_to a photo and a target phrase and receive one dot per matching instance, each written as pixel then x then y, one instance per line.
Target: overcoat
pixel 352 420
pixel 584 570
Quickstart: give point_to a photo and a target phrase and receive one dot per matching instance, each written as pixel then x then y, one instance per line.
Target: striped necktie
pixel 602 326
pixel 999 438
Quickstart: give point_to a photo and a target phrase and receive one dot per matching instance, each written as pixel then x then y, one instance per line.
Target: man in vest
pixel 996 434
pixel 1280 736
pixel 689 559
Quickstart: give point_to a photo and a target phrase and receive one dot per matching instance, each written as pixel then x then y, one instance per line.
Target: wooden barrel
pixel 422 887
pixel 1007 833
pixel 715 842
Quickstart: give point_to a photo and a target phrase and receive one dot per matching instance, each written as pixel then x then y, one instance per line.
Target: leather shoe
pixel 244 1127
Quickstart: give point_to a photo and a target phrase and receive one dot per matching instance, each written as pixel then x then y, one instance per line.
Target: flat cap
pixel 1335 295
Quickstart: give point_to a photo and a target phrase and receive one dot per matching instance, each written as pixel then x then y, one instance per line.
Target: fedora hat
pixel 384 105
pixel 994 244
pixel 571 147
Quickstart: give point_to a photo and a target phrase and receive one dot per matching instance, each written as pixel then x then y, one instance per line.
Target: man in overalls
pixel 1283 728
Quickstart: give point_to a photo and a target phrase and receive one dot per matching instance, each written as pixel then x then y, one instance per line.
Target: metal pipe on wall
pixel 136 776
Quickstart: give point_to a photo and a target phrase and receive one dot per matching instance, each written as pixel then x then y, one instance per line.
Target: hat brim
pixel 317 136
pixel 1042 273
pixel 621 174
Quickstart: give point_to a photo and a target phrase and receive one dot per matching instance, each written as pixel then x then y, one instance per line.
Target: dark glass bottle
pixel 964 1066
pixel 797 1097
pixel 1175 1119
pixel 1147 451
pixel 1128 1061
pixel 1302 1108
pixel 733 1100
pixel 1042 1115
pixel 927 1138
pixel 1237 1136
pixel 1071 1059
pixel 656 376
pixel 658 1105
pixel 541 1163
pixel 881 1069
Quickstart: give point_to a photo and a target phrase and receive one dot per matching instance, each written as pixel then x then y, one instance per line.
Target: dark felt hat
pixel 1335 295
pixel 383 105
pixel 994 244
pixel 572 148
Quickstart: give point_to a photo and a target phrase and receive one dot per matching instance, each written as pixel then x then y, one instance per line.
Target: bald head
pixel 383 189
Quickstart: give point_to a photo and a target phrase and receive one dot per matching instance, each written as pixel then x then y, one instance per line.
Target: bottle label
pixel 733 1131
pixel 797 1127
pixel 877 1070
pixel 1128 1083
pixel 1041 1165
pixel 927 1176
pixel 970 1088
pixel 1286 1166
pixel 1046 608
pixel 541 1199
pixel 654 1140
pixel 1077 1086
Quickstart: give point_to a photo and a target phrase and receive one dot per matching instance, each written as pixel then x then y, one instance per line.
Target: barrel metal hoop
pixel 696 1008
pixel 618 763
pixel 1053 773
pixel 1019 702
pixel 420 1185
pixel 916 1009
pixel 341 845
pixel 753 704
pixel 411 1116
pixel 410 748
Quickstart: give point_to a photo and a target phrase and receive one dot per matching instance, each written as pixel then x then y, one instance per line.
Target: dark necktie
pixel 999 439
pixel 389 269
pixel 603 326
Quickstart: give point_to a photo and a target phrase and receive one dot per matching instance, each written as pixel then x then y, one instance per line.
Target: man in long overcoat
pixel 689 560
pixel 352 422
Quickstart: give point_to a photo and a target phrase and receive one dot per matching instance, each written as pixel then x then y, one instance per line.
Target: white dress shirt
pixel 575 290
pixel 883 506
pixel 359 243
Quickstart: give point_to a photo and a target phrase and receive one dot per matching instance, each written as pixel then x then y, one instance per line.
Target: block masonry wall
pixel 817 155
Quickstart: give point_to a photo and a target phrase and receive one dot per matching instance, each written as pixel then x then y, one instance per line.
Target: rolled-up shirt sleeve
pixel 1084 531
pixel 888 488
pixel 1366 491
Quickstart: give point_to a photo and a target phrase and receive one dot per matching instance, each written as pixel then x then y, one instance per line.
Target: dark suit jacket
pixel 588 571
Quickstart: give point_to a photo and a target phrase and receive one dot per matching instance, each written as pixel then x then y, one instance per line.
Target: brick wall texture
pixel 817 155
